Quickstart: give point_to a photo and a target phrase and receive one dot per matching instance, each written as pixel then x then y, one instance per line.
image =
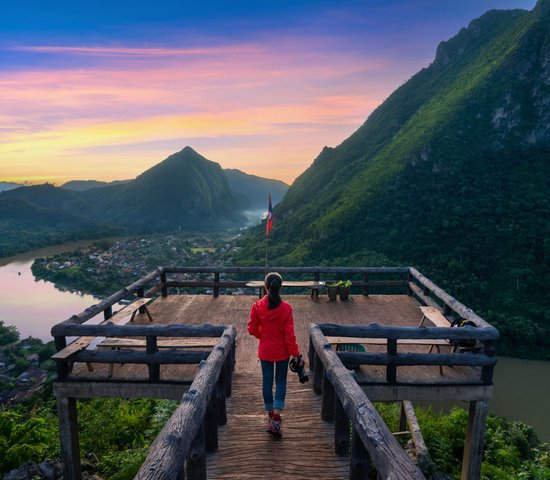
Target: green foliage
pixel 511 450
pixel 120 422
pixel 8 333
pixel 122 465
pixel 24 437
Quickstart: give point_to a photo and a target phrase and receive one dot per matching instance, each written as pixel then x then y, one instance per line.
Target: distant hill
pixel 256 189
pixel 184 192
pixel 81 185
pixel 449 174
pixel 26 226
pixel 5 186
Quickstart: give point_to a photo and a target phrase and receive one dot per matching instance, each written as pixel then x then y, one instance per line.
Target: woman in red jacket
pixel 272 323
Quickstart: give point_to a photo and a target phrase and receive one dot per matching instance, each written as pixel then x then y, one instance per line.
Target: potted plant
pixel 332 290
pixel 343 289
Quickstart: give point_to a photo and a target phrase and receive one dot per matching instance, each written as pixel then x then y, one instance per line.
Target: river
pixel 521 392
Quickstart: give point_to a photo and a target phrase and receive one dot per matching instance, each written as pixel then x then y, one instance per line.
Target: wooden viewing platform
pixel 160 359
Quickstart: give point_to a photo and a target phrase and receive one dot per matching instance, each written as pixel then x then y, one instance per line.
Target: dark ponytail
pixel 273 282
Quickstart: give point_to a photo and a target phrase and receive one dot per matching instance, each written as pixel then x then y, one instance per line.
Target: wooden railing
pixel 361 276
pixel 391 359
pixel 343 402
pixel 192 430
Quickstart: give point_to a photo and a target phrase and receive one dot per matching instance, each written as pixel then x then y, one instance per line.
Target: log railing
pixel 344 401
pixel 192 430
pixel 361 277
pixel 151 356
pixel 392 359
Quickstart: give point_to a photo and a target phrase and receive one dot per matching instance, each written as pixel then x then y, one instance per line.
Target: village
pixel 108 265
pixel 25 366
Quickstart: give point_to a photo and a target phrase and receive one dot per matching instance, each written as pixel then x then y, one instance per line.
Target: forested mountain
pixel 4 186
pixel 255 189
pixel 185 191
pixel 450 174
pixel 81 185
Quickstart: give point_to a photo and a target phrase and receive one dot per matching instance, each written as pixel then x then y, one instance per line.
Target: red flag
pixel 269 225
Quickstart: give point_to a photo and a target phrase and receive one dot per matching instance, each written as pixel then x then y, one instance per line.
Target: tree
pixel 8 333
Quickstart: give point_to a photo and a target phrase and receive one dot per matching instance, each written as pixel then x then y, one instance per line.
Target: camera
pixel 297 365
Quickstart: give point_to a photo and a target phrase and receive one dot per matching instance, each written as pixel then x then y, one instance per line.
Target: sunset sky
pixel 106 89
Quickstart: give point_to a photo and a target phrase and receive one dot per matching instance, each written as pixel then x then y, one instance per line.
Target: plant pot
pixel 332 292
pixel 344 293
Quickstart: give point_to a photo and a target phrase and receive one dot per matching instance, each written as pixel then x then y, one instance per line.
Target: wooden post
pixel 196 459
pixel 318 374
pixel 108 312
pixel 151 347
pixel 341 429
pixel 62 367
pixel 219 392
pixel 327 407
pixel 216 286
pixel 487 372
pixel 391 369
pixel 228 367
pixel 402 418
pixel 68 432
pixel 311 355
pixel 365 284
pixel 473 444
pixel 360 460
pixel 163 283
pixel 140 294
pixel 211 425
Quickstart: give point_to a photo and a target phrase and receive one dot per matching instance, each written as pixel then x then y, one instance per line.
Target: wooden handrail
pixel 282 270
pixel 375 330
pixel 389 458
pixel 183 430
pixel 448 301
pixel 111 330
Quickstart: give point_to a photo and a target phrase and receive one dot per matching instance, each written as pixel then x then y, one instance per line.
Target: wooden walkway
pixel 247 451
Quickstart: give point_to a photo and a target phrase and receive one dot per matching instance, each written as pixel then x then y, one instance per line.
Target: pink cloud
pixel 288 97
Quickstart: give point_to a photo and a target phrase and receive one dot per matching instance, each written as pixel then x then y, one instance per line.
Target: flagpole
pixel 266 238
pixel 268 228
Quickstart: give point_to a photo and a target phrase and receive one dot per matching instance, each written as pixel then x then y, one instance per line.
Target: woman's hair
pixel 273 282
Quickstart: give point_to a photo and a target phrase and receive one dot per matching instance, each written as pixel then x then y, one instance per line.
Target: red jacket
pixel 275 329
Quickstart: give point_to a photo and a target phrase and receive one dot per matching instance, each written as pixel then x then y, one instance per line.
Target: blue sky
pixel 260 86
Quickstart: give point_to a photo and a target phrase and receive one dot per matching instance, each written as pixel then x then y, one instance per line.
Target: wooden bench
pixel 434 315
pixel 118 318
pixel 313 286
pixel 133 308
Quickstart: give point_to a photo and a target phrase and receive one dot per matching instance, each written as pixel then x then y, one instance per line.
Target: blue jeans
pixel 281 369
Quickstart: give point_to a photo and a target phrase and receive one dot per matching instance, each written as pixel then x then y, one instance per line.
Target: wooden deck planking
pixel 234 310
pixel 247 451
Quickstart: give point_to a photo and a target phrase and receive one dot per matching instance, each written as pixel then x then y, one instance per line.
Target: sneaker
pixel 269 421
pixel 276 425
